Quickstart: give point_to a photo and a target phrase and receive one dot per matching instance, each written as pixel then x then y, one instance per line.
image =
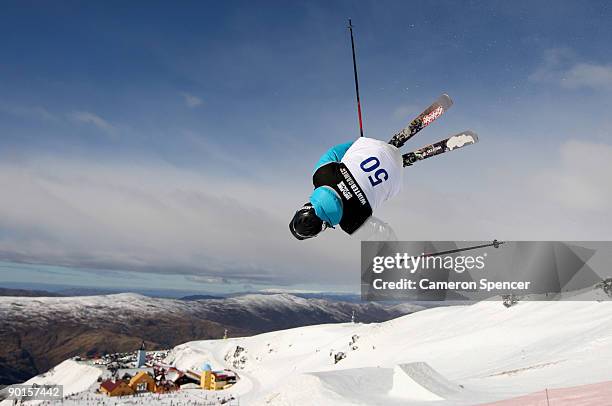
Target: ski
pixel 440 147
pixel 427 117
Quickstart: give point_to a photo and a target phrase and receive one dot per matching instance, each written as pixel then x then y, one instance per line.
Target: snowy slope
pixel 492 352
pixel 460 355
pixel 76 377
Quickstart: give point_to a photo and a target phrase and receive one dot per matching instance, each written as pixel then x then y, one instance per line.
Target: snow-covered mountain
pixel 39 332
pixel 459 355
pixel 99 310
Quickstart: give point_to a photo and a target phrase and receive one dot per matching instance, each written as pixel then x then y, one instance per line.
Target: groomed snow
pixel 76 377
pixel 486 351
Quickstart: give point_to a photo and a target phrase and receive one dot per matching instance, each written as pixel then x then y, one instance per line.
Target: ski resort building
pixel 116 388
pixel 143 382
pixel 165 379
pixel 216 380
pixel 221 380
pixel 180 378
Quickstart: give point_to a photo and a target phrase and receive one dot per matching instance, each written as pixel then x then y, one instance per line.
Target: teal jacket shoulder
pixel 334 154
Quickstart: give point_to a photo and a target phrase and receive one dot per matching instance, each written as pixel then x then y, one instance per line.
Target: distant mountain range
pixel 27 293
pixel 36 333
pixel 46 289
pixel 199 297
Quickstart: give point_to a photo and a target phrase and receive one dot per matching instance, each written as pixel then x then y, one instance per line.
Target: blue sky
pixel 178 138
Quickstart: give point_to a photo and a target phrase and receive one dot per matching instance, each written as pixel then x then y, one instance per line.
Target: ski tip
pixel 468 134
pixel 461 139
pixel 471 134
pixel 445 101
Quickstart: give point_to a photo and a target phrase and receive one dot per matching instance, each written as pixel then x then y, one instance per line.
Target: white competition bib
pixel 377 167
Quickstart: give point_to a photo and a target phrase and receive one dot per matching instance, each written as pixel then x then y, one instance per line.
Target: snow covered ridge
pixel 459 355
pixel 99 309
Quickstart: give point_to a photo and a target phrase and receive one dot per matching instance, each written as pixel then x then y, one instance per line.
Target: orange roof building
pixel 116 388
pixel 143 382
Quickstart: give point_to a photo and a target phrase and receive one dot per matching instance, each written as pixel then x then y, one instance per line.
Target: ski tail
pixel 427 117
pixel 451 143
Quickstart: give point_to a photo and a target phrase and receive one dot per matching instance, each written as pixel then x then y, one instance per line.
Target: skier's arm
pixel 325 201
pixel 334 154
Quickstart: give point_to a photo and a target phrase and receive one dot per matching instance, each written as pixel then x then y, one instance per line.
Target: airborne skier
pixel 351 180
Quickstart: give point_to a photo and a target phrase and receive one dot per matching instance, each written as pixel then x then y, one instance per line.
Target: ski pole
pixel 350 26
pixel 494 244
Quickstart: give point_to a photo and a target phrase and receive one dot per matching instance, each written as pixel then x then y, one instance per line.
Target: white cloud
pixel 589 75
pixel 157 218
pixel 563 67
pixel 190 100
pixel 30 112
pixel 95 120
pixel 581 179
